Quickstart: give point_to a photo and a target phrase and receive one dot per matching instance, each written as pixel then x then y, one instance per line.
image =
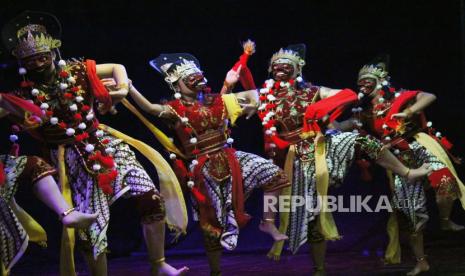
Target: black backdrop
pixel 424 39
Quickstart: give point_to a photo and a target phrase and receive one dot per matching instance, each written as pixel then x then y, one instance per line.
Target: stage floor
pixel 446 258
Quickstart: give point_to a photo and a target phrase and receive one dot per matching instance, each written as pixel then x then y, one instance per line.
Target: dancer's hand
pixel 233 76
pixel 248 109
pixel 422 171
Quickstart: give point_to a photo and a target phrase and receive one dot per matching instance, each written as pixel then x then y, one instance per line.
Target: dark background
pixel 424 38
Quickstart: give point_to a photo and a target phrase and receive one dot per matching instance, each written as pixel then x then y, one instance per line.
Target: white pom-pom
pixel 35 92
pixel 96 167
pixel 282 84
pixel 268 132
pixel 381 100
pixel 70 131
pixel 359 109
pixel 262 107
pixel 438 134
pixel 379 113
pixel 22 71
pixel 13 138
pixel 397 94
pixel 62 63
pixel 177 95
pixel 54 120
pixel 195 162
pixel 90 148
pixel 99 133
pixel 354 110
pixel 384 82
pixel 288 84
pixel 82 126
pixel 193 140
pixel 271 113
pixel 264 122
pixel 273 128
pixel 385 126
pixel 190 184
pixel 429 124
pixel 172 156
pixel 271 98
pixel 230 140
pixel 387 138
pixel 272 145
pixel 359 124
pixel 184 119
pixel 79 99
pixel 109 150
pixel 396 151
pixel 378 87
pixel 89 117
pixel 299 79
pixel 63 86
pixel 44 106
pixel 264 90
pixel 73 107
pixel 71 80
pixel 360 95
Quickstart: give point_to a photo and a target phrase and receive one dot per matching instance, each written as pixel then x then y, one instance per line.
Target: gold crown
pixel 29 44
pixel 182 70
pixel 286 56
pixel 373 71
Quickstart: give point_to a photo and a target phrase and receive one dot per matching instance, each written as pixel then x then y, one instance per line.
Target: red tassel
pixel 280 143
pixel 198 195
pixel 2 174
pixel 446 143
pixel 105 180
pixel 181 167
pixel 107 161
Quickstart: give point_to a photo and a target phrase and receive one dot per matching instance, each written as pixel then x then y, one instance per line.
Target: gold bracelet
pixel 157 261
pixel 67 212
pixel 407 174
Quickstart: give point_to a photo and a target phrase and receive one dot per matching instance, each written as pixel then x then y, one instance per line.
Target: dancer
pixel 396 118
pixel 219 177
pixel 95 166
pixel 294 114
pixel 22 171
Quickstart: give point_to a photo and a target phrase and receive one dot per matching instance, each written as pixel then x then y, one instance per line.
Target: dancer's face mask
pixel 366 86
pixel 195 82
pixel 282 71
pixel 39 65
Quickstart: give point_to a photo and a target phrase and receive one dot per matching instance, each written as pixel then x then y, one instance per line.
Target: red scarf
pixel 98 89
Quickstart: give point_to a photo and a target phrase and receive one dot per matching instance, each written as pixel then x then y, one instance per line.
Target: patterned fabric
pixel 89 198
pixel 340 150
pixel 13 237
pixel 257 172
pixel 410 198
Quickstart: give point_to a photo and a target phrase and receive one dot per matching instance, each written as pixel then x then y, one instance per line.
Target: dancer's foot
pixel 270 228
pixel 421 266
pixel 422 171
pixel 164 269
pixel 449 225
pixel 78 219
